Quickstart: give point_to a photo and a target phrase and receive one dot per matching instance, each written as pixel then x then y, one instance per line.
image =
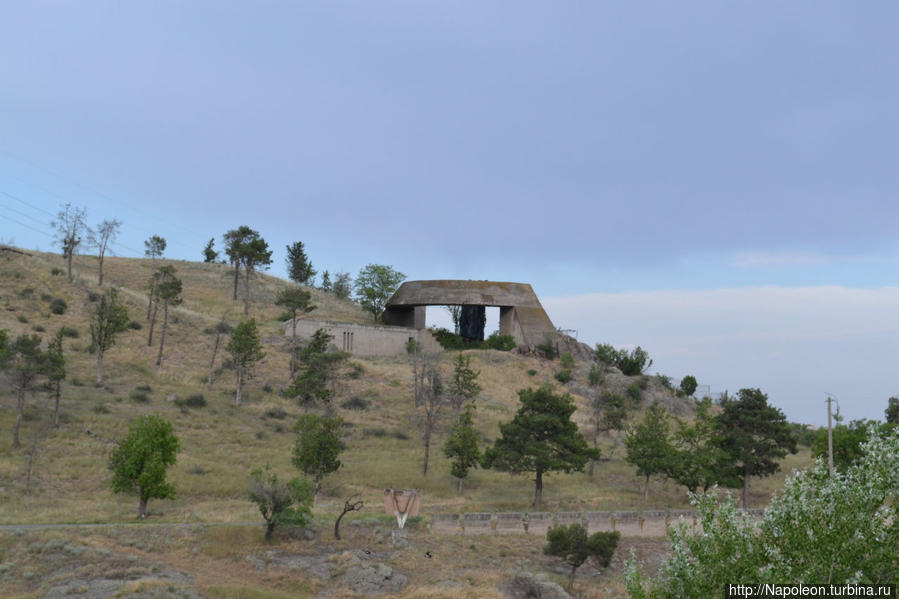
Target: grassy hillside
pixel 222 442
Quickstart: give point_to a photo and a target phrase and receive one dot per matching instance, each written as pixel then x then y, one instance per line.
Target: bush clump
pixel 56 271
pixel 449 340
pixel 139 397
pixel 563 376
pixel 276 412
pixel 354 403
pixel 500 342
pixel 195 400
pixel 135 326
pixel 69 332
pixel 58 306
pixel 629 363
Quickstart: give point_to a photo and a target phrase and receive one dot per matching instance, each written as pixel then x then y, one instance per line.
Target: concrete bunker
pixel 520 313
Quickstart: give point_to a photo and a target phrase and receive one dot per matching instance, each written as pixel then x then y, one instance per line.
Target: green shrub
pixel 563 376
pixel 500 342
pixel 135 326
pixel 634 392
pixel 22 318
pixel 26 292
pixel 58 306
pixel 448 339
pixel 145 388
pixel 596 376
pixel 196 400
pixel 267 388
pixel 46 297
pixel 567 361
pixel 38 328
pixel 101 409
pixel 139 397
pixel 356 370
pixel 56 271
pixel 688 384
pixel 69 332
pixel 629 363
pixel 93 296
pixel 547 349
pixel 531 372
pixel 354 403
pixel 644 383
pixel 276 412
pixel 665 381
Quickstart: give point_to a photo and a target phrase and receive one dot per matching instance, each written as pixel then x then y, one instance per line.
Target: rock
pixel 373 579
pixel 529 586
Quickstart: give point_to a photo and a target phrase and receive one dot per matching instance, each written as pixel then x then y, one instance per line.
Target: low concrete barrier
pixel 539 522
pixel 598 521
pixel 510 522
pixel 569 518
pixel 446 523
pixel 477 523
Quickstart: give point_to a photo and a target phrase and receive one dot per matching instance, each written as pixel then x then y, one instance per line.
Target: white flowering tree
pixel 820 529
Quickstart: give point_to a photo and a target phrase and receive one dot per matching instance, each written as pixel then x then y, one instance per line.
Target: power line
pixel 28 216
pixel 29 227
pixel 18 199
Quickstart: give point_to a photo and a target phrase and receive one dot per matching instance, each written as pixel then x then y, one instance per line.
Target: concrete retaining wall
pixel 366 340
pixel 629 524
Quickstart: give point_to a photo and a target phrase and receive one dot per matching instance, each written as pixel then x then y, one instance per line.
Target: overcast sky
pixel 713 181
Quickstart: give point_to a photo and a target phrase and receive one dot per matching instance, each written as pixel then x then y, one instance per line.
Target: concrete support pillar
pixel 412 317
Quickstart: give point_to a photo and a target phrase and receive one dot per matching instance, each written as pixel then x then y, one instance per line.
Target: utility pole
pixel 829 434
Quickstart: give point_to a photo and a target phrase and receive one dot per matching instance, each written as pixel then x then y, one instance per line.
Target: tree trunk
pixel 56 409
pixel 100 277
pixel 236 278
pixel 142 508
pixel 152 286
pixel 646 490
pixel 246 291
pixel 269 529
pixel 538 494
pixel 215 349
pixel 746 487
pixel 424 468
pixel 99 366
pixel 20 407
pixel 239 384
pixel 152 324
pixel 293 346
pixel 69 264
pixel 571 578
pixel 165 325
pixel 595 446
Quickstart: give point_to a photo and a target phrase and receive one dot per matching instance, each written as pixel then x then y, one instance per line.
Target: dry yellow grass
pixel 221 443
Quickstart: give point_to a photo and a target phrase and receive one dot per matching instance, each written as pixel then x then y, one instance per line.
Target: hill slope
pixel 60 475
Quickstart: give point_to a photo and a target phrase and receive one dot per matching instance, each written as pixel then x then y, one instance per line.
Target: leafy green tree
pixel 541 438
pixel 154 248
pixel 56 370
pixel 462 446
pixel 24 363
pixel 296 301
pixel 755 435
pixel 319 370
pixel 245 348
pixel 698 461
pixel 299 268
pixel 830 529
pixel 105 233
pixel 608 412
pixel 222 328
pixel 688 385
pixel 108 320
pixel 596 376
pixel 168 292
pixel 254 254
pixel 374 285
pixel 847 442
pixel 326 285
pixel 209 254
pixel 70 224
pixel 343 285
pixel 572 544
pixel 280 503
pixel 649 446
pixel 892 411
pixel 463 387
pixel 234 241
pixel 317 448
pixel 139 462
